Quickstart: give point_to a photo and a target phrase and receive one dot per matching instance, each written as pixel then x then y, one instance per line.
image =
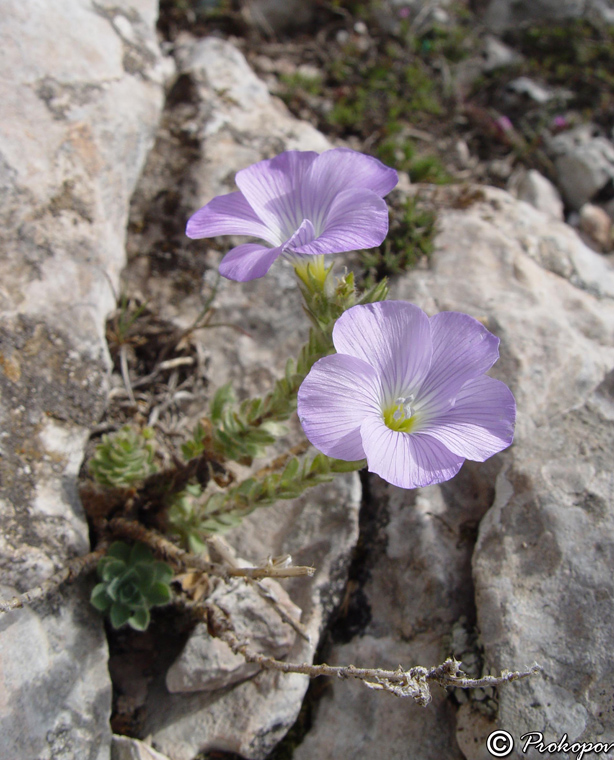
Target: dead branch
pixel 162 546
pixel 412 683
pixel 70 572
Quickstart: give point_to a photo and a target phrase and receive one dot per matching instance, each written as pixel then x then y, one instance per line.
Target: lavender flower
pixel 407 393
pixel 300 203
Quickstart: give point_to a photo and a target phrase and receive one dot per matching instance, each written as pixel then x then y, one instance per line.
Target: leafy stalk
pixel 241 432
pixel 192 520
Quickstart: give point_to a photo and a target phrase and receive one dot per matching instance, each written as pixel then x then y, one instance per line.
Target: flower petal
pixel 248 262
pixel 227 215
pixel 481 422
pixel 333 400
pixel 394 338
pixel 406 460
pixel 463 350
pixel 343 169
pixel 301 237
pixel 356 219
pixel 273 189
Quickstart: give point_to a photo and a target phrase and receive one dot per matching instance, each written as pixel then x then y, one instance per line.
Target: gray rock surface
pixel 597 226
pixel 543 586
pixel 123 748
pixel 584 163
pixel 532 187
pixel 81 90
pixel 207 664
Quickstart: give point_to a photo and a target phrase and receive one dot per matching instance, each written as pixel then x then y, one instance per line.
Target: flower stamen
pixel 400 416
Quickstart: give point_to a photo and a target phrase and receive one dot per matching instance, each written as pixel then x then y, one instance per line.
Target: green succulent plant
pixel 132 582
pixel 123 458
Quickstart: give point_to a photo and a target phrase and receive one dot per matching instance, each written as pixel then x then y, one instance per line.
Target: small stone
pixel 497 55
pixel 472 730
pixel 207 664
pixel 597 225
pixel 360 27
pixel 584 163
pixel 342 36
pixel 123 748
pixel 529 88
pixel 532 187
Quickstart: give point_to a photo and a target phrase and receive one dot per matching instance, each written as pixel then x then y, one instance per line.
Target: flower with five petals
pixel 408 393
pixel 300 203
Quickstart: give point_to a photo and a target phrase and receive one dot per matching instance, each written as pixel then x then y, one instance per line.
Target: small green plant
pixel 412 231
pixel 132 582
pixel 123 458
pixel 192 517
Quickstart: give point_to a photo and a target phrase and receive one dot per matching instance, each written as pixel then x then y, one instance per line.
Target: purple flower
pixel 408 393
pixel 301 203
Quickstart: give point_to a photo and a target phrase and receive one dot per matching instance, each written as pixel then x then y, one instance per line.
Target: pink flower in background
pixel 299 203
pixel 408 393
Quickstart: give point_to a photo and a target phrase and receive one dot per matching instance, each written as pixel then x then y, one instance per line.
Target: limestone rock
pixel 82 92
pixel 597 225
pixel 123 748
pixel 319 529
pixel 232 121
pixel 207 664
pixel 532 187
pixel 584 162
pixel 543 586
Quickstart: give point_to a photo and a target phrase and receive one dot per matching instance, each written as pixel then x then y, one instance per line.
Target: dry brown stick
pixel 71 570
pixel 137 532
pixel 225 552
pixel 402 683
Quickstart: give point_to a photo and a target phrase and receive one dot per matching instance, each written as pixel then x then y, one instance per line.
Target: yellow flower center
pixel 400 415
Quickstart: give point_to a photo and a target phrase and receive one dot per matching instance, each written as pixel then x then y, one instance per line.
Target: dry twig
pixel 70 572
pixel 162 546
pixel 402 683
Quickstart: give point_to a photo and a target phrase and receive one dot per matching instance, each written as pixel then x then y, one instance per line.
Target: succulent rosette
pixel 299 203
pixel 409 393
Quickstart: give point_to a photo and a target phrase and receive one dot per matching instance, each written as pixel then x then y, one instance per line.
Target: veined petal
pixel 248 262
pixel 481 422
pixel 228 215
pixel 356 219
pixel 342 169
pixel 406 460
pixel 333 400
pixel 393 337
pixel 304 235
pixel 273 189
pixel 463 350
